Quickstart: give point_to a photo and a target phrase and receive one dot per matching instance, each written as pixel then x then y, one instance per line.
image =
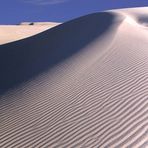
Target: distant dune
pixel 80 84
pixel 10 33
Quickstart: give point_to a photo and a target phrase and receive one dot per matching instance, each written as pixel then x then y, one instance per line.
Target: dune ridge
pixel 80 84
pixel 10 33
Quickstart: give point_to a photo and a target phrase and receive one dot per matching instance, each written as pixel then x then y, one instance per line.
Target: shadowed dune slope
pixel 24 59
pixel 81 84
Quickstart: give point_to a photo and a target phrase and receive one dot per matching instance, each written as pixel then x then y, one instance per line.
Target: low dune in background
pixel 81 84
pixel 10 33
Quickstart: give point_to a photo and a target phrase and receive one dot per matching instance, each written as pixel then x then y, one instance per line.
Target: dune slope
pixel 10 33
pixel 80 84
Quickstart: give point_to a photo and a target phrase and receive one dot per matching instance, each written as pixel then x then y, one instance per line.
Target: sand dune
pixel 81 84
pixel 10 33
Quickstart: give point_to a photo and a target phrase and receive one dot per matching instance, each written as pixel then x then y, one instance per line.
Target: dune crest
pixel 81 84
pixel 11 33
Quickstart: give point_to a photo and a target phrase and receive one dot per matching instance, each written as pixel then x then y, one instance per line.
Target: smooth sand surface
pixel 81 84
pixel 10 33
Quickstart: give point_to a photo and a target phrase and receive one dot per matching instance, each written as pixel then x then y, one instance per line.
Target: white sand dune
pixel 81 84
pixel 10 33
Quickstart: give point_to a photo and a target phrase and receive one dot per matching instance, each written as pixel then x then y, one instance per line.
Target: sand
pixel 81 84
pixel 10 33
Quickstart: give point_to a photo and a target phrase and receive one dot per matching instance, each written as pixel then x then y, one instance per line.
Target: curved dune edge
pixel 11 33
pixel 80 84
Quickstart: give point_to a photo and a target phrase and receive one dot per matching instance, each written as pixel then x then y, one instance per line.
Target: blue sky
pixel 16 11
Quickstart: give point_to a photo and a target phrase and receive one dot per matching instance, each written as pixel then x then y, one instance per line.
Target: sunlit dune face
pixel 131 20
pixel 11 33
pixel 82 84
pixel 139 18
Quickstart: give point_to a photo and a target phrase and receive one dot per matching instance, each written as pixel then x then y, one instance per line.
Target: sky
pixel 16 11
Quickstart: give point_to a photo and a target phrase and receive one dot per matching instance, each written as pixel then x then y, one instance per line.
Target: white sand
pixel 83 84
pixel 10 33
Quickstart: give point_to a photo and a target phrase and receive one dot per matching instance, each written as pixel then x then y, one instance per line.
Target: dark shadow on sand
pixel 143 20
pixel 24 59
